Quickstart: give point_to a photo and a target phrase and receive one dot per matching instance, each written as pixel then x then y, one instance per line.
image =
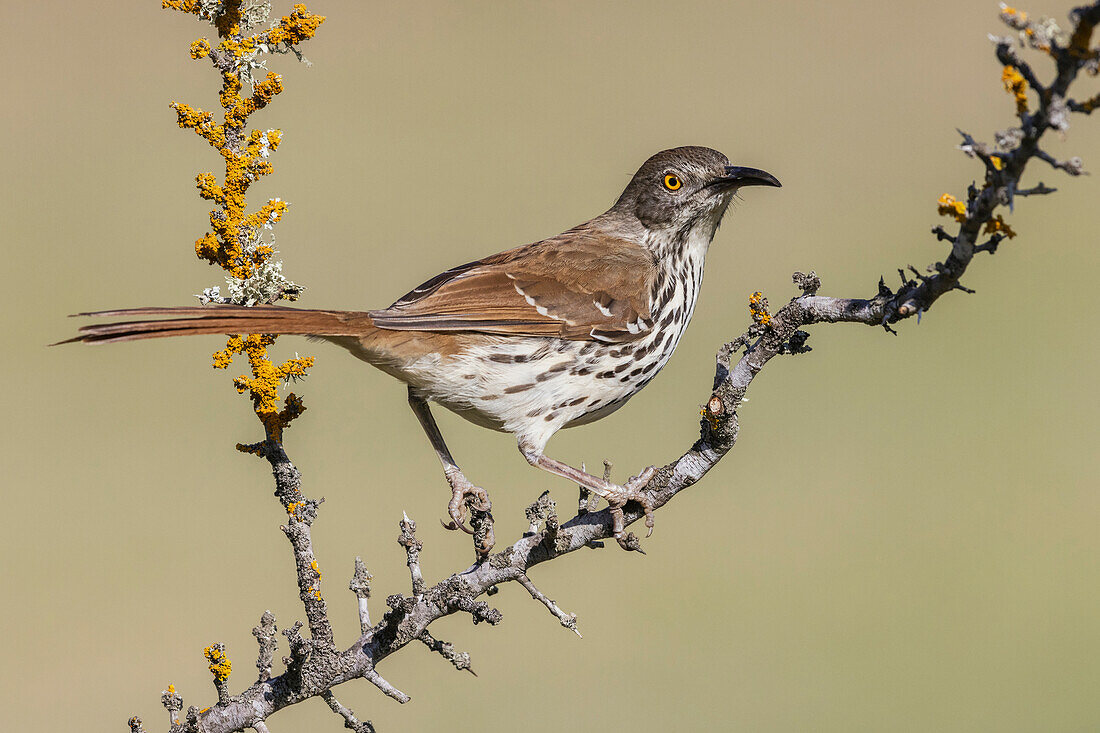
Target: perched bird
pixel 531 340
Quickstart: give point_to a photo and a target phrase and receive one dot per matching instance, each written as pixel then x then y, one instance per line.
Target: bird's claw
pixel 464 494
pixel 468 498
pixel 618 496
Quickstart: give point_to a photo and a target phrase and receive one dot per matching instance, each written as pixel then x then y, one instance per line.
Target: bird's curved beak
pixel 737 176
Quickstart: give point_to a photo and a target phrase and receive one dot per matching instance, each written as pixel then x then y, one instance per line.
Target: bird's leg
pixel 616 496
pixel 463 493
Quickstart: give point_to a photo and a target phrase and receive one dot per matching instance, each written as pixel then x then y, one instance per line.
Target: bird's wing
pixel 581 285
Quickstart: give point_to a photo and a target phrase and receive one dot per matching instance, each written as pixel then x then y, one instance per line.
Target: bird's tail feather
pixel 220 319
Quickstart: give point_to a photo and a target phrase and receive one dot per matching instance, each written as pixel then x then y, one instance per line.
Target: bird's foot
pixel 466 497
pixel 618 496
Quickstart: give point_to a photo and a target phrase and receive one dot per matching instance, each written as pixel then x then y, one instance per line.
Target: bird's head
pixel 679 190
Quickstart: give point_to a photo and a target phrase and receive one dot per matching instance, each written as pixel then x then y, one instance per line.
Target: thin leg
pixel 615 495
pixel 463 492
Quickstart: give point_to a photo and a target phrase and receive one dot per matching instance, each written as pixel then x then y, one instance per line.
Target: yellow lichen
pixel 220 666
pixel 758 308
pixel 317 590
pixel 948 206
pixel 1016 85
pixel 301 25
pixel 187 6
pixel 712 420
pixel 200 49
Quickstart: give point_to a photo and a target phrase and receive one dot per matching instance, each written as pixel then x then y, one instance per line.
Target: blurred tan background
pixel 928 562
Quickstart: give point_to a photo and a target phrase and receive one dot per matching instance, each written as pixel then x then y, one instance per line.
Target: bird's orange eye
pixel 672 182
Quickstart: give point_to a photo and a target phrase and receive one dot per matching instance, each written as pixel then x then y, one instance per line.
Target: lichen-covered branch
pixel 243 243
pixel 315 666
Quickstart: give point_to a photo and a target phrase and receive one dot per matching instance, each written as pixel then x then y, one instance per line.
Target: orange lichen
pixel 712 420
pixel 1016 85
pixel 220 666
pixel 233 242
pixel 948 206
pixel 758 308
pixel 200 49
pixel 301 25
pixel 317 590
pixel 187 6
pixel 266 376
pixel 998 225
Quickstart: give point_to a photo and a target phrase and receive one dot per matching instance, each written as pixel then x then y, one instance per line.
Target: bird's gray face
pixel 681 189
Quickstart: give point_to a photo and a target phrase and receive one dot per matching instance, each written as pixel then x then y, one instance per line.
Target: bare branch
pixel 300 513
pixel 350 721
pixel 568 620
pixel 1036 190
pixel 389 690
pixel 268 642
pixel 360 586
pixel 460 660
pixel 1074 166
pixel 412 551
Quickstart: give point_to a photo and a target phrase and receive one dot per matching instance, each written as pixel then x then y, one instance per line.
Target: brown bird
pixel 531 340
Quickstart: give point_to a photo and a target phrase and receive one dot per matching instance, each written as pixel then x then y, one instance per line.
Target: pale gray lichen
pixel 1008 139
pixel 1059 114
pixel 254 13
pixel 266 285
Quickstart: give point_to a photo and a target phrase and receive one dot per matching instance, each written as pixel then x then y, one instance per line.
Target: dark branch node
pixel 942 235
pixel 796 344
pixel 990 246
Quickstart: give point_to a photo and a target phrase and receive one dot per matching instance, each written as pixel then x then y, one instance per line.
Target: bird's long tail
pixel 222 319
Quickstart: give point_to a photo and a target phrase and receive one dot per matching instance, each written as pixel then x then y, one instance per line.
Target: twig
pixel 173 703
pixel 568 620
pixel 350 721
pixel 378 681
pixel 412 551
pixel 268 642
pixel 460 660
pixel 360 586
